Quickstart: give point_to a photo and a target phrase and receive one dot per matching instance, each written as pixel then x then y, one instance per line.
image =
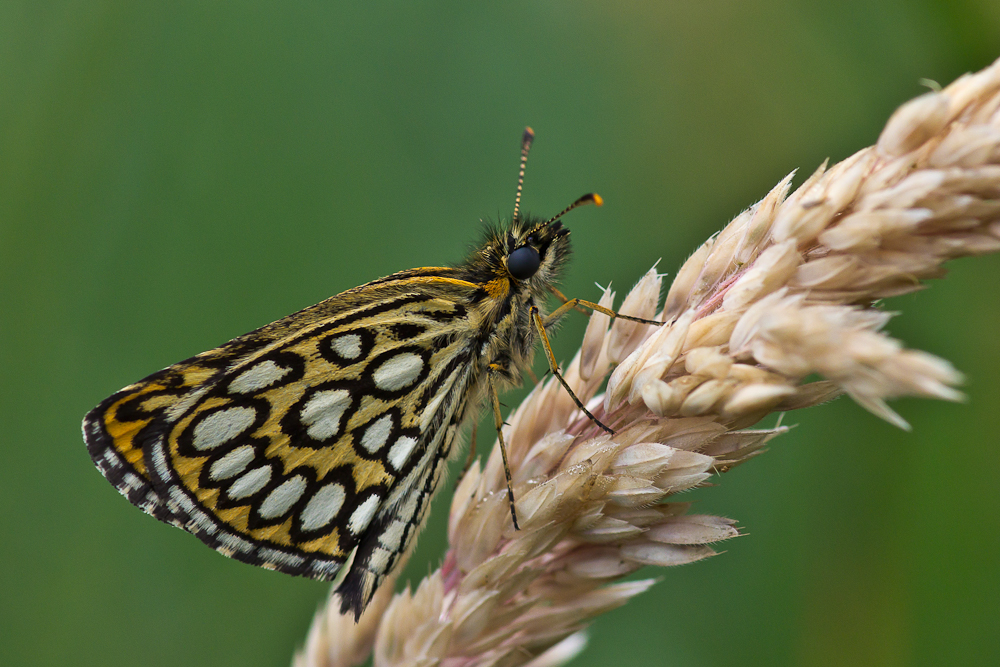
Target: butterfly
pixel 325 435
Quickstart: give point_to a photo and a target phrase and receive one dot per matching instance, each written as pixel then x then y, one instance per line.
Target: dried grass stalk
pixel 785 291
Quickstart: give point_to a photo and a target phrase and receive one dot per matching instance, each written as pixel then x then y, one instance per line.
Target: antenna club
pixel 589 198
pixel 529 134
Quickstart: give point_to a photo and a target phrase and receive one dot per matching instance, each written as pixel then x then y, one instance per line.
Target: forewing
pixel 117 428
pixel 289 446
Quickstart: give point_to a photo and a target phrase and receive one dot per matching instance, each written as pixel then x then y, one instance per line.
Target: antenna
pixel 589 198
pixel 526 139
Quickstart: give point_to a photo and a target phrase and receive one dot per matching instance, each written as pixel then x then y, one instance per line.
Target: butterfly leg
pixel 494 369
pixel 566 299
pixel 581 304
pixel 540 324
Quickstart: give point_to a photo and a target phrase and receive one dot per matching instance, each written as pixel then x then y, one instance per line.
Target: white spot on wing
pixel 160 459
pixel 250 483
pixel 111 459
pixel 348 346
pixel 393 536
pixel 326 569
pixel 363 515
pixel 410 508
pixel 401 451
pixel 257 377
pixel 380 560
pixel 428 414
pixel 235 543
pixel 398 371
pixel 377 433
pixel 177 495
pixel 221 427
pixel 232 464
pixel 282 498
pixel 323 411
pixel 323 506
pixel 179 408
pixel 275 557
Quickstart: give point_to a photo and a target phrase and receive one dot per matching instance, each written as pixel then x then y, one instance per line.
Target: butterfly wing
pixel 293 445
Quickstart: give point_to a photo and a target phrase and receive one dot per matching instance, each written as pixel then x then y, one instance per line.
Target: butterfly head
pixel 536 249
pixel 526 256
pixel 533 253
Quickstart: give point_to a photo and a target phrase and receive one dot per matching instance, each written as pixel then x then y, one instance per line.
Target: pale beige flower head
pixel 788 290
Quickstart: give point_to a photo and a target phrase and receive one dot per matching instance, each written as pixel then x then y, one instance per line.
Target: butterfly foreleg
pixel 565 299
pixel 540 323
pixel 581 304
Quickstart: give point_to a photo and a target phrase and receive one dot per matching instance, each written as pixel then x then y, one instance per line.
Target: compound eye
pixel 523 262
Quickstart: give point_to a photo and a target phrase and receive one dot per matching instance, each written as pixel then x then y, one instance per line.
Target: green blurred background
pixel 175 174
